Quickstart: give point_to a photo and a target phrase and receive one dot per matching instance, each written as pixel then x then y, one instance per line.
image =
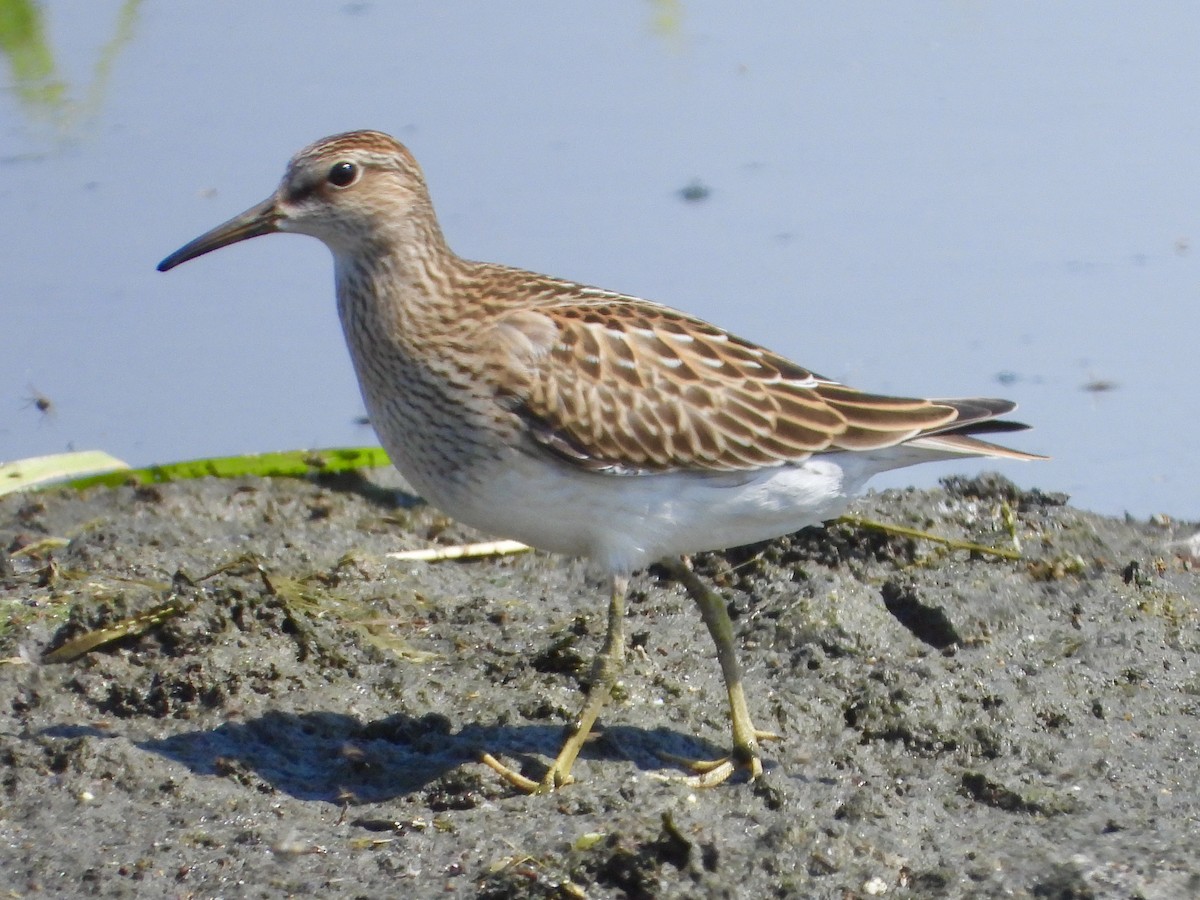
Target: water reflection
pixel 41 91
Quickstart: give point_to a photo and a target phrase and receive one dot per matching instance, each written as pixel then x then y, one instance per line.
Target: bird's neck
pixel 395 288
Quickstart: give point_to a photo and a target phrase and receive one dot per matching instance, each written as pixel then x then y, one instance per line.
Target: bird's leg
pixel 605 671
pixel 745 753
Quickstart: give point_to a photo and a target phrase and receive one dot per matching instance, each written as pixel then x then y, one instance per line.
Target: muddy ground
pixel 304 715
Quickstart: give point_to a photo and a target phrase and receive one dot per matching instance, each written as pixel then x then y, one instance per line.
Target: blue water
pixel 933 199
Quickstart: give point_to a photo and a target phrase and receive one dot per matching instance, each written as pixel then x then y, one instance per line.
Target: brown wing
pixel 632 387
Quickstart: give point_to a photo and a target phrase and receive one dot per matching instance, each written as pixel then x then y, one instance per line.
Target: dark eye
pixel 343 174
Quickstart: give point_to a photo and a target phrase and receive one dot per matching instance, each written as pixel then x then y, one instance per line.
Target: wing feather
pixel 624 386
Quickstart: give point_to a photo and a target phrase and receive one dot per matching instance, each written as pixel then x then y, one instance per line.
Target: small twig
pixel 136 625
pixel 1010 524
pixel 506 548
pixel 954 544
pixel 461 551
pixel 37 548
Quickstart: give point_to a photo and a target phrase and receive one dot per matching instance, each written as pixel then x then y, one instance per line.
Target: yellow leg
pixel 605 671
pixel 745 753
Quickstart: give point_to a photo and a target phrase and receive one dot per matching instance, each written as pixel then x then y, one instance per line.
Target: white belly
pixel 624 522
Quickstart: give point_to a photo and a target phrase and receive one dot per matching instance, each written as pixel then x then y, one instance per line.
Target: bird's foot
pixel 556 776
pixel 712 772
pixel 603 680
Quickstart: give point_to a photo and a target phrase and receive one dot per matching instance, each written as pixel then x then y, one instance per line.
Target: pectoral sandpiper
pixel 583 421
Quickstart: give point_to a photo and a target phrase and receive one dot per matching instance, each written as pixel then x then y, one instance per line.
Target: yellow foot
pixel 712 772
pixel 552 782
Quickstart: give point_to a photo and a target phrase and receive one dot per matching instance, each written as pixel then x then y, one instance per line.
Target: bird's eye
pixel 343 174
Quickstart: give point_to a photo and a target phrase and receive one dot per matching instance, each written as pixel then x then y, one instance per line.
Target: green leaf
pixel 286 464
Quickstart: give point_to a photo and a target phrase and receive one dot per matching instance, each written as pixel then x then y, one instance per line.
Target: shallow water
pixel 948 200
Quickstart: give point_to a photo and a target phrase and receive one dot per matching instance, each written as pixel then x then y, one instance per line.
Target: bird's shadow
pixel 354 481
pixel 337 758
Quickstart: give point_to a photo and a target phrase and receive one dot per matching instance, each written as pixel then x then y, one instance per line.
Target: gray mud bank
pixel 295 714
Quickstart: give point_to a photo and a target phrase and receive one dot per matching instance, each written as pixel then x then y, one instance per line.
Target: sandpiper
pixel 583 421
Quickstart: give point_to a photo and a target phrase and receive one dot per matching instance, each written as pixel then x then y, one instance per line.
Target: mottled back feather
pixel 616 384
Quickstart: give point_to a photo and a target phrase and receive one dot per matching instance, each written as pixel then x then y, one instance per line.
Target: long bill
pixel 261 219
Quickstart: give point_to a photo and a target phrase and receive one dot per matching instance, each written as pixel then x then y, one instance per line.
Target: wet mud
pixel 227 689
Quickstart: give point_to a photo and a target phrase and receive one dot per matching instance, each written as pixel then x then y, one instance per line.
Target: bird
pixel 583 421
